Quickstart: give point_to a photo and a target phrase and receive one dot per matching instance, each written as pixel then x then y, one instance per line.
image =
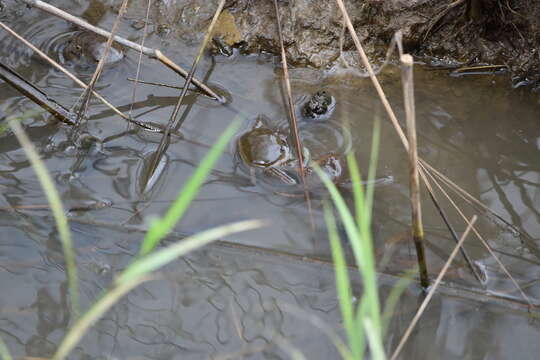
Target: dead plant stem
pixel 416 208
pixel 292 115
pixel 87 94
pixel 139 60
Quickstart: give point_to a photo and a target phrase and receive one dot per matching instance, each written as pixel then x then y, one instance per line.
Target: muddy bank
pixel 486 32
pixel 455 33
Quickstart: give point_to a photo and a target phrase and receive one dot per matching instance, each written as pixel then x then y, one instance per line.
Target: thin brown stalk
pixel 426 301
pixel 87 94
pixel 290 103
pixel 173 122
pixel 160 84
pixel 372 76
pixel 139 60
pixel 152 53
pixel 292 116
pixel 486 245
pixel 68 74
pixel 466 69
pixel 417 227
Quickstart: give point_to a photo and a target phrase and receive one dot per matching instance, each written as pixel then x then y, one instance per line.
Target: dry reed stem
pixel 290 103
pixel 486 245
pixel 160 84
pixel 426 301
pixel 152 53
pixel 173 123
pixel 87 94
pixel 139 60
pixel 416 208
pixel 292 115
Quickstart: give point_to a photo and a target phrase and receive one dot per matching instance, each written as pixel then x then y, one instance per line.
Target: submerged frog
pixel 319 106
pixel 87 48
pixel 221 47
pixel 269 151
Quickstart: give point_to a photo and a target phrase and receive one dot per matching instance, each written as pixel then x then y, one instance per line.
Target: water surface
pixel 235 298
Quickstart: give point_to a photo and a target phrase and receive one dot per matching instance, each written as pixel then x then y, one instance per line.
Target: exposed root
pixel 434 24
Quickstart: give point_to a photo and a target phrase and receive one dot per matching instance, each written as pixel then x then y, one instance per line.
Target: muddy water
pixel 235 298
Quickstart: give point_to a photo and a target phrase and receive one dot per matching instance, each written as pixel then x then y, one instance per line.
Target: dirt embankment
pixel 458 32
pixel 503 32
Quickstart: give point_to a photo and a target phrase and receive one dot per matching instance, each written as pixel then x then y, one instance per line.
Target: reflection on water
pixel 234 300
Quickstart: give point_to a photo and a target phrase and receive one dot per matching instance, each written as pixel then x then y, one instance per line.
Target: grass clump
pixel 364 321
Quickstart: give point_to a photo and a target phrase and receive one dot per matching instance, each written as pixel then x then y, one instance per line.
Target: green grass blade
pixel 373 160
pixel 4 351
pixel 343 284
pixel 160 228
pixel 345 215
pixel 358 192
pixel 138 272
pixel 360 240
pixel 55 203
pixel 324 327
pixel 95 312
pixel 161 257
pixel 363 210
pixel 292 351
pixel 362 249
pixel 393 299
pixel 361 313
pixel 374 340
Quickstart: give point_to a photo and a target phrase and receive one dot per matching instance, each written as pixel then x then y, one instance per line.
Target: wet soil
pixel 490 32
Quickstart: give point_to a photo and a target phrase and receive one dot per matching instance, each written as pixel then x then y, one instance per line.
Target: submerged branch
pixel 36 95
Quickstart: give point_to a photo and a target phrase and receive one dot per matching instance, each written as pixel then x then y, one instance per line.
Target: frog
pixel 319 106
pixel 221 47
pixel 86 47
pixel 268 150
pixel 330 164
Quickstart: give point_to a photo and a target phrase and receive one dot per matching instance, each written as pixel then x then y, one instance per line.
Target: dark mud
pixel 490 32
